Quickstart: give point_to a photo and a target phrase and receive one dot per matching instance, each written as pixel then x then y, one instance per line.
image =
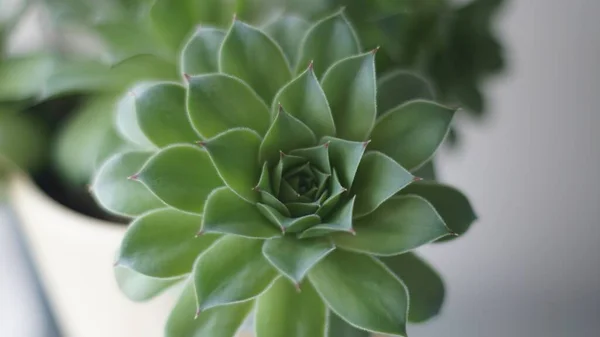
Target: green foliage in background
pixel 277 176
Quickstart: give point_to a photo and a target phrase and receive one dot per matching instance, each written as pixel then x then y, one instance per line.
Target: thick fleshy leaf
pixel 291 225
pixel 412 133
pixel 287 133
pixel 399 225
pixel 378 178
pixel 351 91
pixel 162 115
pixel 362 291
pixel 345 158
pixel 452 205
pixel 235 155
pixel 337 327
pixel 399 87
pixel 304 99
pixel 298 209
pixel 23 77
pixel 222 321
pixel 127 119
pixel 218 102
pixel 180 175
pixel 425 286
pixel 286 162
pixel 172 21
pixel 318 156
pixel 226 212
pixel 339 221
pixel 119 195
pixel 270 200
pixel 294 257
pixel 250 55
pixel 201 53
pixel 288 31
pixel 233 270
pixel 336 190
pixel 162 243
pixel 141 288
pixel 283 311
pixel 328 41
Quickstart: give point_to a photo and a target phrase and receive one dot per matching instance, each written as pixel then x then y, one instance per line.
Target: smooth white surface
pixel 531 266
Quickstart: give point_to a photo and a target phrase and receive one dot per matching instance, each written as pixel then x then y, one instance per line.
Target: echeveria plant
pixel 274 182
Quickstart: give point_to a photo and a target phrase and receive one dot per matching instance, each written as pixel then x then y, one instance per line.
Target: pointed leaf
pixel 378 178
pixel 336 190
pixel 162 115
pixel 250 55
pixel 412 133
pixel 201 53
pixel 283 311
pixel 222 321
pixel 286 133
pixel 217 103
pixel 362 291
pixel 425 286
pixel 399 87
pixel 233 270
pixel 162 243
pixel 286 162
pixel 340 328
pixel 291 225
pixel 339 221
pixel 264 183
pixel 269 200
pixel 288 31
pixel 304 99
pixel 298 209
pixel 127 120
pixel 235 155
pixel 351 91
pixel 119 195
pixel 318 156
pixel 452 205
pixel 182 176
pixel 141 288
pixel 294 257
pixel 328 41
pixel 345 158
pixel 399 225
pixel 246 220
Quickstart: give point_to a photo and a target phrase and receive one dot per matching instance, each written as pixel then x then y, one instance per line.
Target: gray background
pixel 530 266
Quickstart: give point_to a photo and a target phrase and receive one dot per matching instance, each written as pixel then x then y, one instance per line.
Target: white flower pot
pixel 74 255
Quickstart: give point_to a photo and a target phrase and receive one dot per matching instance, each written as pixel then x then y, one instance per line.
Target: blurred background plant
pixel 59 104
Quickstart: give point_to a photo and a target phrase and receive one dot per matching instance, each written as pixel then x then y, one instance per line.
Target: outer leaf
pixel 294 257
pixel 345 158
pixel 340 328
pixel 235 155
pixel 201 53
pixel 328 41
pixel 339 221
pixel 172 21
pixel 162 115
pixel 399 225
pixel 283 311
pixel 223 321
pixel 162 243
pixel 140 288
pixel 304 99
pixel 378 178
pixel 218 102
pixel 425 286
pixel 233 270
pixel 182 176
pixel 288 31
pixel 114 192
pixel 249 54
pixel 412 133
pixel 291 225
pixel 127 119
pixel 244 220
pixel 286 133
pixel 351 91
pixel 362 291
pixel 399 87
pixel 450 203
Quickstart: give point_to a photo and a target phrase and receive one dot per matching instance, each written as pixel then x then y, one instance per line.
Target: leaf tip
pixel 352 231
pixel 453 233
pixel 417 179
pixel 311 66
pixel 198 312
pixel 235 17
pixel 200 233
pixel 374 51
pixel 365 144
pixel 281 154
pixel 134 177
pixel 297 286
pixel 89 188
pixel 201 143
pixel 132 93
pixel 187 77
pixel 326 145
pixel 116 263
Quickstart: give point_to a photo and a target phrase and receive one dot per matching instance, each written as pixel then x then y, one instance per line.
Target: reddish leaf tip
pixel 374 51
pixel 116 263
pixel 326 145
pixel 352 231
pixel 235 17
pixel 187 77
pixel 256 189
pixel 134 177
pixel 201 143
pixel 200 233
pixel 454 234
pixel 281 154
pixel 417 179
pixel 365 144
pixel 198 312
pixel 344 189
pixel 311 65
pixel 282 230
pixel 298 288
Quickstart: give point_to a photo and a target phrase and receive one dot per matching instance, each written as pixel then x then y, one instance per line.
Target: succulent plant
pixel 271 180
